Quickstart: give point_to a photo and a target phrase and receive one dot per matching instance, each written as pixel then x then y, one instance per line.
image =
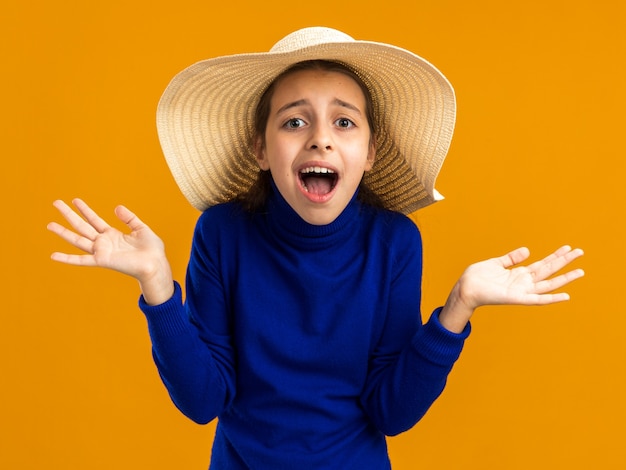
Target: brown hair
pixel 254 199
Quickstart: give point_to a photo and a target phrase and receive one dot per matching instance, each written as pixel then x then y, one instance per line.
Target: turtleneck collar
pixel 287 224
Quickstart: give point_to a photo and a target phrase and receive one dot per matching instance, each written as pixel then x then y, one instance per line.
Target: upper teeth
pixel 317 169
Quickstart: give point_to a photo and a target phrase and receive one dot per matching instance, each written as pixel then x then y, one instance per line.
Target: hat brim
pixel 206 114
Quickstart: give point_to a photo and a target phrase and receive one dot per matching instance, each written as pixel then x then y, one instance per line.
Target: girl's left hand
pixel 500 281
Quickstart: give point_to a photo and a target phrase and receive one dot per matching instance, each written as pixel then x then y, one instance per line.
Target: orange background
pixel 535 161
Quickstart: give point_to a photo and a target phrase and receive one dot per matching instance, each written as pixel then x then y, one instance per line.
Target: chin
pixel 319 216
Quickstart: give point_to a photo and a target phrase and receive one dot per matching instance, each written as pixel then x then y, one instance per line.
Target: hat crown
pixel 306 37
pixel 214 162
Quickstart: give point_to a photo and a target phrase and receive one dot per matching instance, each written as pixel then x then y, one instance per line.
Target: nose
pixel 320 139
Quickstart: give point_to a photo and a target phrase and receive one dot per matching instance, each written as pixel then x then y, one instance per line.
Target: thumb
pixel 129 218
pixel 514 257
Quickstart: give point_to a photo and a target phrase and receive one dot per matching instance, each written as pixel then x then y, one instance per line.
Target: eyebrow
pixel 302 102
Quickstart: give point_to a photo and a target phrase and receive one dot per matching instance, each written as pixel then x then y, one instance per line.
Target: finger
pixel 72 238
pixel 129 218
pixel 90 215
pixel 76 260
pixel 559 281
pixel 75 220
pixel 553 263
pixel 514 257
pixel 546 299
pixel 550 258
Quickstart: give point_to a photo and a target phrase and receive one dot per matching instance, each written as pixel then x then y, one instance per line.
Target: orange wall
pixel 536 161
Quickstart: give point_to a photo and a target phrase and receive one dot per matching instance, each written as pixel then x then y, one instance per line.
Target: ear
pixel 259 153
pixel 371 155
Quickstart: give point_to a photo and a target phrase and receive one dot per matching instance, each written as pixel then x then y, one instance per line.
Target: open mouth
pixel 318 180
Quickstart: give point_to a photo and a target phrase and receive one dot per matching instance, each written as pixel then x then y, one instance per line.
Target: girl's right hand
pixel 140 253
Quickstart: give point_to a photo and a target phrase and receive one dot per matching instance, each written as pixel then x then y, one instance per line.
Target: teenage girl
pixel 301 328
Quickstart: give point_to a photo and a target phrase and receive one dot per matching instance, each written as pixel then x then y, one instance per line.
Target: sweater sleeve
pixel 411 362
pixel 195 358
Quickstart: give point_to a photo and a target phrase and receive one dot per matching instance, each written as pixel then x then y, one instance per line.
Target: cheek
pixel 276 157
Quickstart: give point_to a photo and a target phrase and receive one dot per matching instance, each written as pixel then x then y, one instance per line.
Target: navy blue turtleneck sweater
pixel 306 342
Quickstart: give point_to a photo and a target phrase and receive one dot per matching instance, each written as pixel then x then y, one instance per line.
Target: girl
pixel 301 328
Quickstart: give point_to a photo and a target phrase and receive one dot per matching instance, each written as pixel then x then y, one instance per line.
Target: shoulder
pixel 222 215
pixel 221 222
pixel 225 212
pixel 399 238
pixel 219 234
pixel 391 227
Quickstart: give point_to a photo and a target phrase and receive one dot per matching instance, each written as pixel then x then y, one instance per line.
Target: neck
pixel 289 223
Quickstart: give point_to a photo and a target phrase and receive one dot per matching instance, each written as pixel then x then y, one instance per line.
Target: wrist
pixel 157 287
pixel 456 312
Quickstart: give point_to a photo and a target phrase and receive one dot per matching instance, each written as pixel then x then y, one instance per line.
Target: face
pixel 317 142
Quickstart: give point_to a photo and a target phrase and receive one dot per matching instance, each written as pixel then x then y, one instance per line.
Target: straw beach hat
pixel 205 118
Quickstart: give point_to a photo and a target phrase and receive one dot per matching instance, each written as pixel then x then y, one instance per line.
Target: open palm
pixel 138 253
pixel 503 281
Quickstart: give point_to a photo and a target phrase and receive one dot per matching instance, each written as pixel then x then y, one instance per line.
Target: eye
pixel 294 123
pixel 344 123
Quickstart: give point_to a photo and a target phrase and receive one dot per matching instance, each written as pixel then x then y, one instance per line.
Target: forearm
pixel 399 394
pixel 197 375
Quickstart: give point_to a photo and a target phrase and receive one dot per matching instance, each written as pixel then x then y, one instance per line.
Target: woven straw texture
pixel 206 114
